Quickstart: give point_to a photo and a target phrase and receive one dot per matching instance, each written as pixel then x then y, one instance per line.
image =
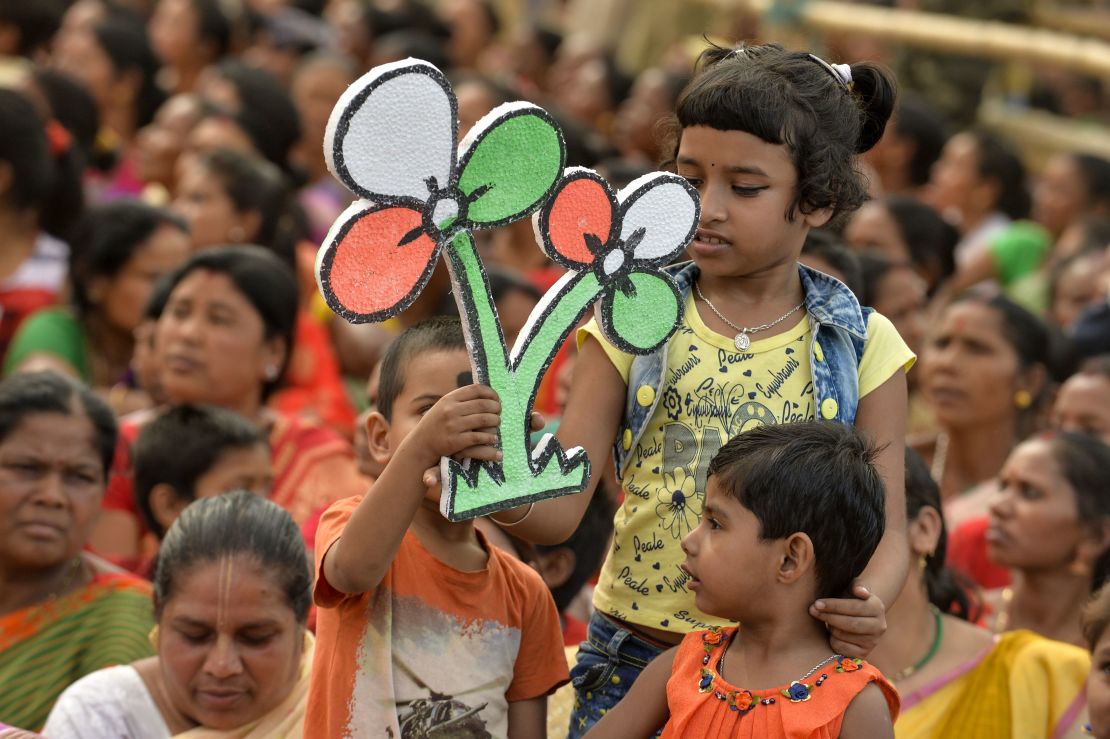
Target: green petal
pixel 511 167
pixel 641 319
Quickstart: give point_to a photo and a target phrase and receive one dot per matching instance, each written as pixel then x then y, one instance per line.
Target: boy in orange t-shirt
pixel 422 624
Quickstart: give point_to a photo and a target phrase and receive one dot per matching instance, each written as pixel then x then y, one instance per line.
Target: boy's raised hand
pixel 462 423
pixel 855 624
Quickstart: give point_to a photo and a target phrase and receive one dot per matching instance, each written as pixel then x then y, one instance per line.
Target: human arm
pixel 643 710
pixel 868 716
pixel 459 423
pixel 528 718
pixel 593 413
pixel 856 624
pixel 980 267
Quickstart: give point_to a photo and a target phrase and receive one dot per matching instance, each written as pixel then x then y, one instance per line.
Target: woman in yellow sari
pixel 955 678
pixel 232 589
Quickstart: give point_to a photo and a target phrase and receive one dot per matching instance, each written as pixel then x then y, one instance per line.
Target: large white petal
pixel 392 130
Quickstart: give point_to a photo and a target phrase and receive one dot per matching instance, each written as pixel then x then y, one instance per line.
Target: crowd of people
pixel 867 471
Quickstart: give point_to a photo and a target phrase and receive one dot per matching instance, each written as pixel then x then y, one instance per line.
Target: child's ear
pixel 924 531
pixel 377 437
pixel 817 218
pixel 796 558
pixel 166 505
pixel 556 566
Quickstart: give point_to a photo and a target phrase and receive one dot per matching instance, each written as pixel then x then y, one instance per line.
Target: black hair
pixel 414 42
pixel 493 21
pixel 771 470
pixel 44 181
pixel 27 393
pixel 1026 334
pixel 267 283
pixel 826 245
pixel 588 543
pixel 238 523
pixel 1084 459
pixel 945 589
pixel 503 281
pixel 1095 174
pixel 265 111
pixel 548 40
pixel 923 124
pixel 213 26
pixel 122 36
pixel 1096 617
pixel 71 105
pixel 253 184
pixel 789 98
pixel 617 83
pixel 931 239
pixel 109 236
pixel 180 446
pixel 36 20
pixel 433 335
pixel 1000 163
pixel 24 147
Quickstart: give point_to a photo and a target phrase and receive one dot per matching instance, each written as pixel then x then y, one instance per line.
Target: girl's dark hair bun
pixel 875 91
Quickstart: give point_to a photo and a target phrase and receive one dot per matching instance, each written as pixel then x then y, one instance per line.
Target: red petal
pixel 372 275
pixel 582 206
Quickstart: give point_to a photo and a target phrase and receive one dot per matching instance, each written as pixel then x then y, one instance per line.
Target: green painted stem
pixel 515 385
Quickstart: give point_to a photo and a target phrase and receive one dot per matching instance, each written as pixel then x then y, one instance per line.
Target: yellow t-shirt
pixel 711 392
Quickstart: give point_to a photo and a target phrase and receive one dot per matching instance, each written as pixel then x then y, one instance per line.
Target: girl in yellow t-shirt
pixel 768 138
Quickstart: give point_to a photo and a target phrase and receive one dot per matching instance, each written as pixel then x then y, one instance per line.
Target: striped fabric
pixel 46 647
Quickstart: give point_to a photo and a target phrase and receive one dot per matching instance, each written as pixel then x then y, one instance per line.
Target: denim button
pixel 818 352
pixel 645 395
pixel 829 408
pixel 626 439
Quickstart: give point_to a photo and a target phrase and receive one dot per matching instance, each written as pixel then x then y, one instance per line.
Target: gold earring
pixel 1079 568
pixel 923 563
pixel 1023 399
pixel 153 636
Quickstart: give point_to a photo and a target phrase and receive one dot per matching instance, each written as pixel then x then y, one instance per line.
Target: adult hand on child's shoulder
pixel 855 624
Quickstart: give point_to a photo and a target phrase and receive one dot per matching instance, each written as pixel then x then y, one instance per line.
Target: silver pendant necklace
pixel 742 340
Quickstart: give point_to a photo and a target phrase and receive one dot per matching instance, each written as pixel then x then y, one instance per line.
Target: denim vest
pixel 839 331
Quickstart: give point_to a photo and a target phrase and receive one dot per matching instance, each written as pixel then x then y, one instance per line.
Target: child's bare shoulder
pixel 868 715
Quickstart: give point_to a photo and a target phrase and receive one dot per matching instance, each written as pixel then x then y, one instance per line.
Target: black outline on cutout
pixel 487 128
pixel 604 311
pixel 324 272
pixel 356 103
pixel 543 229
pixel 652 181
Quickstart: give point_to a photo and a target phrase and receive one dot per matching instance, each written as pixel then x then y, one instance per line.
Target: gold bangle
pixel 527 513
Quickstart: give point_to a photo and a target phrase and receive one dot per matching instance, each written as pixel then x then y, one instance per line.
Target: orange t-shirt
pixel 430 645
pixel 701 703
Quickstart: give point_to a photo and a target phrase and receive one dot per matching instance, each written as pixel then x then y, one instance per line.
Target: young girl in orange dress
pixel 771 541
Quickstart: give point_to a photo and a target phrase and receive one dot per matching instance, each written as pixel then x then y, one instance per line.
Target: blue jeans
pixel 608 662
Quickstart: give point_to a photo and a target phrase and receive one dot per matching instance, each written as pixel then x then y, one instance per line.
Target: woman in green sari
pixel 63 613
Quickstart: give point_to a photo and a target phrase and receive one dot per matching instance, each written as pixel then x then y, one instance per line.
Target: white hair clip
pixel 842 73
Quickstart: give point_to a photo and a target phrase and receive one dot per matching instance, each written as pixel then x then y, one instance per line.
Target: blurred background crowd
pixel 163 194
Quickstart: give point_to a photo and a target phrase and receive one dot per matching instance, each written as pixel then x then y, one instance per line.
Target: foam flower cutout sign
pixel 623 240
pixel 391 141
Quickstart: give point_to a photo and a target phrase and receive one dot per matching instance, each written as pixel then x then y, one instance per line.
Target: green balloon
pixel 511 168
pixel 646 317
